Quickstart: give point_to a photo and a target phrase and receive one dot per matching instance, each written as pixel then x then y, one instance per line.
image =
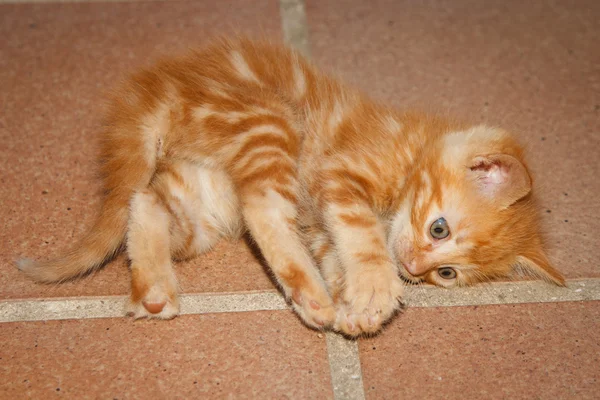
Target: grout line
pixel 416 296
pixel 342 354
pixel 114 306
pixel 344 365
pixel 294 25
pixel 232 302
pixel 504 293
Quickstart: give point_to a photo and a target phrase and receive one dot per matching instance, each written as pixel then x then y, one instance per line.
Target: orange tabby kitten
pixel 341 194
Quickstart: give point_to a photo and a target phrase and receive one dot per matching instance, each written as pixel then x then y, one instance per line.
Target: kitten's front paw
pixel 153 298
pixel 314 306
pixel 368 302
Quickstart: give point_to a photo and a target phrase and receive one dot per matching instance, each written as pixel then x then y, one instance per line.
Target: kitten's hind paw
pixel 154 303
pixel 160 309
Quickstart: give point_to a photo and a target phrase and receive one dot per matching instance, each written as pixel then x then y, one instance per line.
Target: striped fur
pixel 339 192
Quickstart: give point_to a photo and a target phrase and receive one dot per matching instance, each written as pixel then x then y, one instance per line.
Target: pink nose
pixel 413 268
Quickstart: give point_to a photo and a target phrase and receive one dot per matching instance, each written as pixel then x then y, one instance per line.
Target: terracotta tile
pixel 230 267
pixel 56 63
pixel 257 355
pixel 528 66
pixel 545 351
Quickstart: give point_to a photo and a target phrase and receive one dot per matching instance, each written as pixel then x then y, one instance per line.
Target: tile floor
pixel 529 66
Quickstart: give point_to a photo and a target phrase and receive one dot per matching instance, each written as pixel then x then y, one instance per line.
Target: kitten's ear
pixel 539 267
pixel 501 177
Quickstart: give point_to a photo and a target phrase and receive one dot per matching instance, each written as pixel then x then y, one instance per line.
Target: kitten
pixel 341 194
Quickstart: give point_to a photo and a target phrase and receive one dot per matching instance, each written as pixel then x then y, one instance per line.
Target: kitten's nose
pixel 413 268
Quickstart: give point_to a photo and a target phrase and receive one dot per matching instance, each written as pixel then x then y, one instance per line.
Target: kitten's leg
pixel 267 187
pixel 153 281
pixel 372 289
pixel 271 221
pixel 323 251
pixel 188 209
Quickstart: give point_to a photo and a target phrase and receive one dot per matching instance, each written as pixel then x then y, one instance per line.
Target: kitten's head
pixel 468 214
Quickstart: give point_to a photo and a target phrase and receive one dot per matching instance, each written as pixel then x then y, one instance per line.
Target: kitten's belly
pixel 208 203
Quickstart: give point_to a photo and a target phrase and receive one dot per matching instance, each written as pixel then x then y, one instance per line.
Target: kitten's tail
pixel 100 243
pixel 127 168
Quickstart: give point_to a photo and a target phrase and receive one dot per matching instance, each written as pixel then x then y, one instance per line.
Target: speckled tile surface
pixel 531 67
pixel 56 63
pixel 535 351
pixel 207 356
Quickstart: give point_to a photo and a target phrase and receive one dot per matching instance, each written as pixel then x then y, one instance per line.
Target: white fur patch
pixel 278 206
pixel 336 117
pixel 203 112
pixel 426 183
pixel 242 67
pixel 299 80
pixel 458 146
pixel 401 227
pixel 391 125
pixel 220 203
pixel 424 192
pixel 265 129
pixel 208 199
pixel 234 117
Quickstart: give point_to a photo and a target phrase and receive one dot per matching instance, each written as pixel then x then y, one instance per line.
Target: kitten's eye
pixel 439 229
pixel 447 273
